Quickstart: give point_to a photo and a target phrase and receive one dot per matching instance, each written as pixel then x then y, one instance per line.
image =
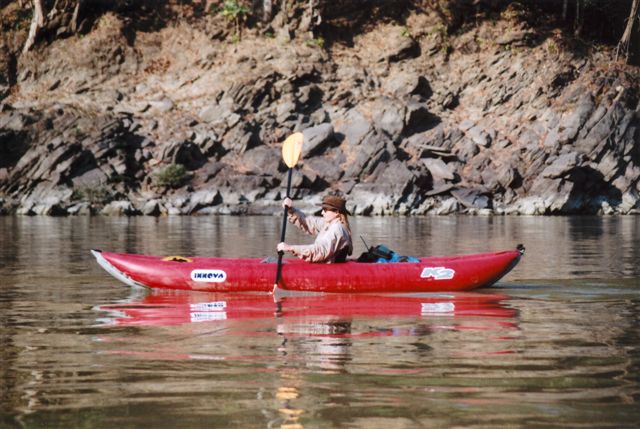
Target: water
pixel 554 344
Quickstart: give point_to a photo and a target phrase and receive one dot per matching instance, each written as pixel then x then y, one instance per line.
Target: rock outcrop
pixel 500 119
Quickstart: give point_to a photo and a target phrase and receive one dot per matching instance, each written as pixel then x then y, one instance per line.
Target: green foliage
pixel 96 195
pixel 405 32
pixel 108 21
pixel 173 176
pixel 552 47
pixel 440 34
pixel 234 10
pixel 318 42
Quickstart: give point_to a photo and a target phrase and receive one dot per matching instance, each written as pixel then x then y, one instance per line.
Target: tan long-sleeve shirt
pixel 332 238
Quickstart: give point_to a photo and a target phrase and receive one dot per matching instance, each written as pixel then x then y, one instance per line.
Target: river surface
pixel 556 343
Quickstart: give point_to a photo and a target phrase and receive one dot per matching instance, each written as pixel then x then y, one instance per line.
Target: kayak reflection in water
pixel 333 234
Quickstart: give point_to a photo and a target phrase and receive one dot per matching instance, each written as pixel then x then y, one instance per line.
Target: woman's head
pixel 335 203
pixel 335 207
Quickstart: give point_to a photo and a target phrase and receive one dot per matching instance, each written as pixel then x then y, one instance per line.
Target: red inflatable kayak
pixel 431 274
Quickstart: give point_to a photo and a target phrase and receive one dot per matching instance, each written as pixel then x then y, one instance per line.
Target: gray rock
pixel 562 165
pixel 48 209
pixel 389 118
pixel 398 47
pixel 471 198
pixel 466 125
pixel 370 153
pixel 214 113
pixel 509 177
pixel 354 127
pixel 446 207
pixel 325 168
pixel 80 209
pixel 533 205
pixel 90 179
pixel 467 150
pixel 317 140
pixel 241 139
pixel 119 208
pixel 151 208
pixel 26 209
pixel 173 211
pixel 439 170
pixel 367 199
pixel 285 111
pixel 593 143
pixel 404 84
pixel 479 136
pixel 418 117
pixel 515 37
pixel 262 160
pixel 162 106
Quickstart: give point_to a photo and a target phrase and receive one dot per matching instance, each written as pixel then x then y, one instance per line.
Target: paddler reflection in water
pixel 333 235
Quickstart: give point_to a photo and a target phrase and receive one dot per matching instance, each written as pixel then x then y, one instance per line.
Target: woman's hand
pixel 283 247
pixel 287 203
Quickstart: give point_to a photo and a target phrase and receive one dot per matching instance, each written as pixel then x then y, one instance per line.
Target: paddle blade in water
pixel 291 149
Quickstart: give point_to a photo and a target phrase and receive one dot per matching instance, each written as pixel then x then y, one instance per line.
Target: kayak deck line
pixel 430 274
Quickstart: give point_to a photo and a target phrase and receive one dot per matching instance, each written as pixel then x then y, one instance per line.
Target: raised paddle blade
pixel 291 149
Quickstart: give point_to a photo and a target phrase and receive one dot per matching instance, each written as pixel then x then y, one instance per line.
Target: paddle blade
pixel 292 148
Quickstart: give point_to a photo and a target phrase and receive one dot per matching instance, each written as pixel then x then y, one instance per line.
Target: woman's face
pixel 329 215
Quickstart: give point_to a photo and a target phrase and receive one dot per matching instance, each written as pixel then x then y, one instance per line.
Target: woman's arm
pixel 310 224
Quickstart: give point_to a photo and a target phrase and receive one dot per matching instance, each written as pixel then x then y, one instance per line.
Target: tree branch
pixel 37 22
pixel 625 40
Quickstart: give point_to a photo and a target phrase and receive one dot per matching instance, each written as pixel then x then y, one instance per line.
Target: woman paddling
pixel 333 235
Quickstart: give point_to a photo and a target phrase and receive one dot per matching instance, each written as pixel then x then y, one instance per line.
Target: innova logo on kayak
pixel 209 276
pixel 437 273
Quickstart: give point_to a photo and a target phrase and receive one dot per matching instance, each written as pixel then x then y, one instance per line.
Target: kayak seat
pixel 176 259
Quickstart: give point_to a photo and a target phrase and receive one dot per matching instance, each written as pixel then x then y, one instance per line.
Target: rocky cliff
pixel 506 115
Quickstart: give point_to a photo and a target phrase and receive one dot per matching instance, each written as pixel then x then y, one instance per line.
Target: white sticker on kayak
pixel 209 306
pixel 438 308
pixel 206 316
pixel 209 276
pixel 437 273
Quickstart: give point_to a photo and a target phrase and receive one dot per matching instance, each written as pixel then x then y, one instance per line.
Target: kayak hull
pixel 432 274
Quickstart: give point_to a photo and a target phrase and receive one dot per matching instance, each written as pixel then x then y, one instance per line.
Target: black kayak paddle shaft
pixel 284 230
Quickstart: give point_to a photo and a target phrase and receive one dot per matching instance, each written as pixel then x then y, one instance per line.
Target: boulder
pixel 353 127
pixel 151 208
pixel 562 166
pixel 317 140
pixel 366 158
pixel 479 136
pixel 472 198
pixel 446 207
pixel 325 168
pixel 202 199
pixel 402 84
pixel 439 170
pixel 397 46
pixel 214 113
pixel 119 208
pixel 80 209
pixel 389 118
